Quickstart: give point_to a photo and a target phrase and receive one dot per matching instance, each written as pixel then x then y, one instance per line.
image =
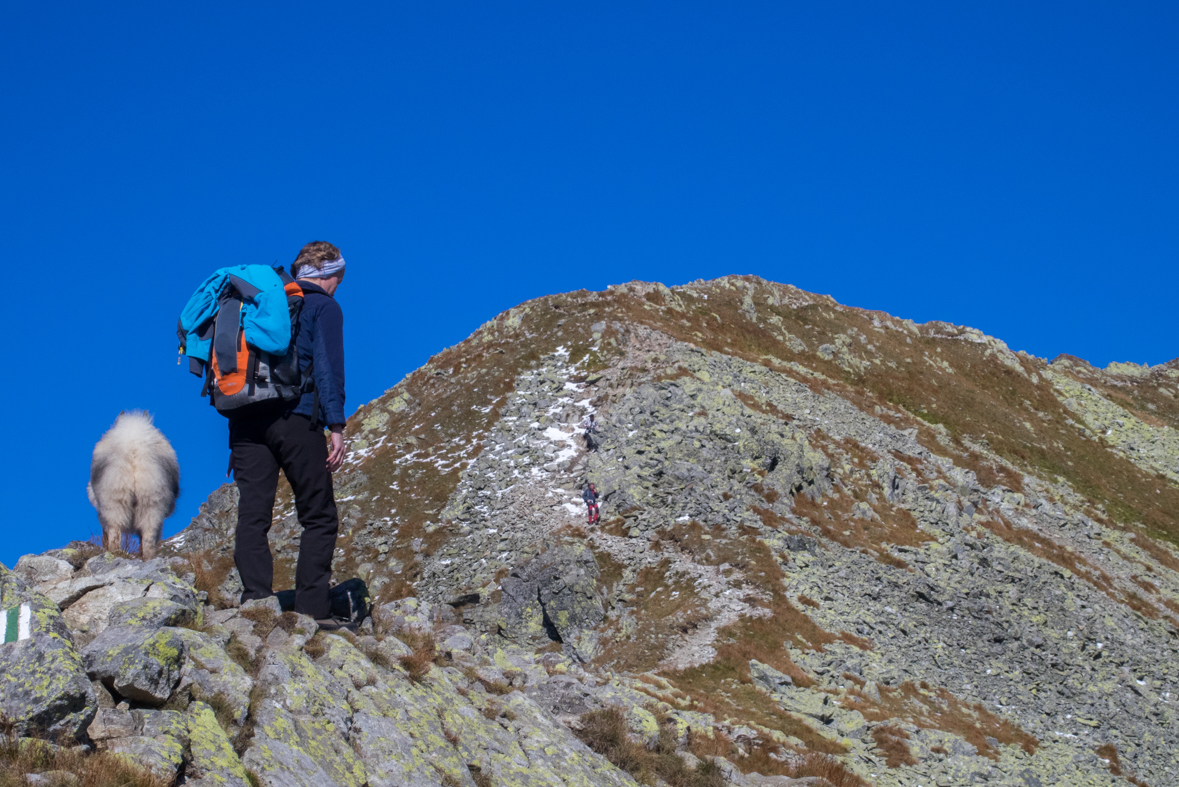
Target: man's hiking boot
pixel 337 624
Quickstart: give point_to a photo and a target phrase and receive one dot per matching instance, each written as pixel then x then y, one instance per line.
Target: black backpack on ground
pixel 349 599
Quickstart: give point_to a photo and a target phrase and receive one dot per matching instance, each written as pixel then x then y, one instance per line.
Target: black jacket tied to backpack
pixel 320 346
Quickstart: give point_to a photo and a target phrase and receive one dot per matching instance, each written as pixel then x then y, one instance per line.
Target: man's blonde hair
pixel 313 256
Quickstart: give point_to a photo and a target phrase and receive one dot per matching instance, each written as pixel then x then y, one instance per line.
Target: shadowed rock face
pixel 555 594
pixel 823 531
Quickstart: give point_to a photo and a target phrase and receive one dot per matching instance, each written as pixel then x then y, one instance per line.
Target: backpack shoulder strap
pixel 225 335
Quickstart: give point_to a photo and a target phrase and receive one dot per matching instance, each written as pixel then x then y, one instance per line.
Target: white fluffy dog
pixel 134 482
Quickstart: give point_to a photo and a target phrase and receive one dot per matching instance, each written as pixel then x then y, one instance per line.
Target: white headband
pixel 325 270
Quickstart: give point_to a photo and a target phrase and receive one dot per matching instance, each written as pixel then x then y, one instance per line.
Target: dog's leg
pixel 149 522
pixel 117 516
pixel 149 540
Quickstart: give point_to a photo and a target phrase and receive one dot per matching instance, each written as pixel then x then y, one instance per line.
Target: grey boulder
pixel 138 664
pixel 557 591
pixel 152 613
pixel 43 686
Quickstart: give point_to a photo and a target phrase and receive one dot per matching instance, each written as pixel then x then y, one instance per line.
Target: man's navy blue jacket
pixel 321 342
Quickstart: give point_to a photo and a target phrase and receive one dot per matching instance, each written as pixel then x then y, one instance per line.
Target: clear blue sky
pixel 1010 166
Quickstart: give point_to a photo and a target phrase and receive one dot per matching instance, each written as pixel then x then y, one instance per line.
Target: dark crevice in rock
pixel 550 628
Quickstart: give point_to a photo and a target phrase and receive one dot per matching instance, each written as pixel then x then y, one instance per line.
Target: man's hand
pixel 229 470
pixel 336 452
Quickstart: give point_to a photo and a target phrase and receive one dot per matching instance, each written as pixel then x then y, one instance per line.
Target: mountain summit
pixel 833 543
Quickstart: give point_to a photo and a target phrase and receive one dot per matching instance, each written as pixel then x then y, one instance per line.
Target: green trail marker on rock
pixel 15 623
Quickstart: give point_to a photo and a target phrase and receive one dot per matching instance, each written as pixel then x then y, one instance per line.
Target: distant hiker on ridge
pixel 590 496
pixel 591 427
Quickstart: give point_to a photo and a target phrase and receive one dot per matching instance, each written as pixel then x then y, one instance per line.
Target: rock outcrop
pixel 555 594
pixel 252 695
pixel 43 686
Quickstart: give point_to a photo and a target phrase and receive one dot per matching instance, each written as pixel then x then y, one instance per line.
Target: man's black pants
pixel 261 446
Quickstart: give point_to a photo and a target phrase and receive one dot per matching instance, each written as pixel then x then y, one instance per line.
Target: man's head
pixel 321 262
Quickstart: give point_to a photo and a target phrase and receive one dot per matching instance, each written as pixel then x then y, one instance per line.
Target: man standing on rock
pixel 590 496
pixel 291 439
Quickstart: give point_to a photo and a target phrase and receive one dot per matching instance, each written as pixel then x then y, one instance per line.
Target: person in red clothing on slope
pixel 590 496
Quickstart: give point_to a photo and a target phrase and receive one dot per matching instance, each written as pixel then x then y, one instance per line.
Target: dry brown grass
pixel 937 708
pixel 665 617
pixel 316 646
pixel 832 514
pixel 209 570
pixel 423 652
pixel 1160 552
pixel 246 736
pixel 891 741
pixel 1108 751
pixel 450 735
pixel 703 746
pixel 221 705
pixel 480 778
pixel 128 546
pixel 824 766
pixel 769 494
pixel 1142 396
pixel 496 687
pixel 605 731
pixel 772 760
pixel 21 757
pixel 265 620
pixel 724 687
pixel 766 408
pixel 241 656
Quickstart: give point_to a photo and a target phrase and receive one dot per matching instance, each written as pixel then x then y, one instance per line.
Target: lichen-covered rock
pixel 52 779
pixel 212 761
pixel 301 751
pixel 38 570
pixel 566 581
pixel 556 589
pixel 210 674
pixel 159 742
pixel 142 665
pixel 213 525
pixel 404 615
pixel 152 613
pixel 154 739
pixel 767 678
pixel 105 582
pixel 43 685
pixel 111 724
pixel 521 615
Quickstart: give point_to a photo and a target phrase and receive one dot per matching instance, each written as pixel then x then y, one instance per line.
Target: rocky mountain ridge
pixel 833 543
